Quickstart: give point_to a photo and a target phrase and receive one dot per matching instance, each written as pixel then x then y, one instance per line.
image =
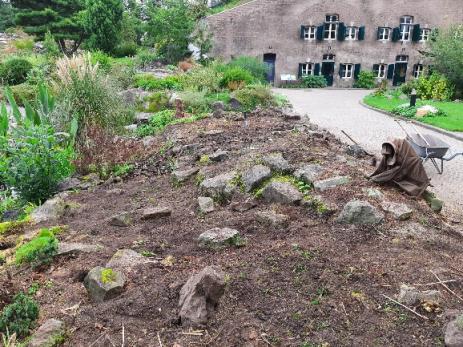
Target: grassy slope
pixel 227 6
pixel 454 111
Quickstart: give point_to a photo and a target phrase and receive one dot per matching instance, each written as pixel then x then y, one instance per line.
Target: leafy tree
pixel 170 26
pixel 103 20
pixel 446 49
pixel 6 15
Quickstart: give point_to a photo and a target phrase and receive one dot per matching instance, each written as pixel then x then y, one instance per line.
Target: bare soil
pixel 315 283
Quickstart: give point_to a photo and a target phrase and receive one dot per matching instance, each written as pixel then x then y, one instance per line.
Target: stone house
pixel 334 38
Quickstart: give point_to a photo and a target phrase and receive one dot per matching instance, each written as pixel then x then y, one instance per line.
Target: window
pixel 328 57
pixel 401 59
pixel 380 70
pixel 418 70
pixel 406 26
pixel 307 69
pixel 425 35
pixel 331 26
pixel 384 34
pixel 309 33
pixel 347 70
pixel 351 33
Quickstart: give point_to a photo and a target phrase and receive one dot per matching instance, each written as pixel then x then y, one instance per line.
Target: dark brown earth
pixel 315 283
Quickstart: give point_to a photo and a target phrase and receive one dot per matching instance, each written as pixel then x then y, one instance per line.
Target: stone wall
pixel 273 26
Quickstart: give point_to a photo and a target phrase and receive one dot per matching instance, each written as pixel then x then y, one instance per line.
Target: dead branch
pixel 406 307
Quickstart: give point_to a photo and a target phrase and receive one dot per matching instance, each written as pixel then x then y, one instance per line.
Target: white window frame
pixel 385 34
pixel 382 71
pixel 348 71
pixel 351 33
pixel 418 70
pixel 406 26
pixel 425 35
pixel 402 59
pixel 330 31
pixel 310 33
pixel 308 69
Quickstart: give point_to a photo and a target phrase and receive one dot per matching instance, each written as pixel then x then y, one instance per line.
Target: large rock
pixel 360 212
pixel 277 163
pixel 51 333
pixel 206 204
pixel 255 176
pixel 308 173
pixel 220 187
pixel 143 118
pixel 65 248
pixel 200 296
pixel 153 213
pixel 123 220
pixel 282 193
pixel 71 183
pixel 272 219
pixel 181 176
pixel 125 260
pixel 410 296
pixel 332 182
pixel 104 283
pixel 399 211
pixel 51 210
pixel 218 237
pixel 454 332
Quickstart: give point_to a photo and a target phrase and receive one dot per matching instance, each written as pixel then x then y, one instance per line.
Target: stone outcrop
pixel 360 212
pixel 281 193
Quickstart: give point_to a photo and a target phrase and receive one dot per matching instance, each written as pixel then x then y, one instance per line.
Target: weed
pixel 147 254
pixel 237 181
pixel 200 177
pixel 165 147
pixel 19 317
pixel 12 227
pixel 39 250
pixel 321 293
pixel 237 241
pixel 34 288
pixel 121 170
pixel 108 276
pixel 204 160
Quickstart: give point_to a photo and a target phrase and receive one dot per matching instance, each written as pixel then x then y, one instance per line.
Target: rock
pixel 291 115
pixel 454 332
pixel 219 188
pixel 355 151
pixel 156 213
pixel 282 193
pixel 218 156
pixel 50 333
pixel 131 127
pixel 308 173
pixel 125 260
pixel 104 283
pixel 426 110
pixel 435 203
pixel 71 183
pixel 247 205
pixel 255 176
pixel 332 182
pixel 206 204
pixel 131 96
pixel 410 296
pixel 399 211
pixel 374 193
pixel 272 219
pixel 218 237
pixel 181 176
pixel 142 117
pixel 65 248
pixel 121 220
pixel 360 212
pixel 218 108
pixel 51 210
pixel 200 296
pixel 235 104
pixel 276 162
pixel 115 191
pixel 149 141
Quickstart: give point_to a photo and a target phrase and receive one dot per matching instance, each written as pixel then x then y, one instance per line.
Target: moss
pixel 108 276
pixel 459 321
pixel 200 177
pixel 59 229
pixel 303 187
pixel 237 181
pixel 13 227
pixel 40 250
pixel 204 160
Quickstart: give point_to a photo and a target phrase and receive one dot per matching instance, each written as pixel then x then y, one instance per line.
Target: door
pixel 400 74
pixel 328 72
pixel 269 60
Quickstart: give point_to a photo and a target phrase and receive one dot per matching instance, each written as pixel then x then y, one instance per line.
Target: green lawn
pixel 454 110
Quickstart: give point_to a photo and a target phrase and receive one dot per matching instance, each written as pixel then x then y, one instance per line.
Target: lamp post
pixel 413 98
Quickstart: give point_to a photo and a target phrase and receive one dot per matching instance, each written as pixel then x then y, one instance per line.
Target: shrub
pixel 157 123
pixel 149 82
pixel 407 87
pixel 40 250
pixel 435 87
pixel 313 81
pixel 51 47
pixel 23 92
pixel 102 59
pixel 254 66
pixel 236 78
pixel 39 74
pixel 202 78
pixel 146 58
pixel 157 101
pixel 123 74
pixel 126 49
pixel 14 71
pixel 24 44
pixel 195 102
pixel 254 95
pixel 405 111
pixel 20 316
pixel 366 79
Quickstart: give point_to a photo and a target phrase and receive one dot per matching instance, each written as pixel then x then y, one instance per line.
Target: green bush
pixel 23 92
pixel 157 123
pixel 26 44
pixel 255 95
pixel 102 59
pixel 51 47
pixel 434 87
pixel 195 102
pixel 149 82
pixel 123 74
pixel 157 101
pixel 202 78
pixel 236 78
pixel 313 81
pixel 40 250
pixel 145 58
pixel 126 49
pixel 366 79
pixel 20 316
pixel 14 71
pixel 254 66
pixel 405 111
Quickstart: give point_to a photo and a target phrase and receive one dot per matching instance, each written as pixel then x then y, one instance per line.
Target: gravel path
pixel 337 110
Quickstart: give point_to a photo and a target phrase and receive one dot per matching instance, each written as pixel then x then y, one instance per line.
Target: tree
pixel 446 50
pixel 169 26
pixel 62 18
pixel 6 15
pixel 103 20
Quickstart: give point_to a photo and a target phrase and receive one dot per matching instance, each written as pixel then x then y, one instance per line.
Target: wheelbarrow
pixel 429 147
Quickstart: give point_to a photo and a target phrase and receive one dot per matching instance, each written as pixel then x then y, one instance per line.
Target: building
pixel 334 38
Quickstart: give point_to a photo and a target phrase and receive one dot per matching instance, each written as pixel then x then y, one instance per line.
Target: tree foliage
pixel 6 15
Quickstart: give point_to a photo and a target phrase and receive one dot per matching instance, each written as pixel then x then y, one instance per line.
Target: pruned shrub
pixel 313 81
pixel 254 66
pixel 366 79
pixel 255 95
pixel 125 49
pixel 14 71
pixel 39 251
pixel 20 316
pixel 236 78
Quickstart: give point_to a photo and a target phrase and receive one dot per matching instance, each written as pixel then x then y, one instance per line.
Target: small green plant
pixel 157 123
pixel 14 71
pixel 204 159
pixel 366 79
pixel 313 81
pixel 121 170
pixel 149 82
pixel 157 101
pixel 254 66
pixel 236 78
pixel 108 276
pixel 147 254
pixel 25 44
pixel 33 289
pixel 102 59
pixel 145 58
pixel 40 250
pixel 125 49
pixel 20 316
pixel 255 95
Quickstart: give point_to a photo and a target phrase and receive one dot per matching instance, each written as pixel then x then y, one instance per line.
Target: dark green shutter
pixel 361 33
pixel 342 69
pixel 396 34
pixel 317 69
pixel 357 68
pixel 430 70
pixel 302 31
pixel 341 32
pixel 299 73
pixel 390 71
pixel 320 32
pixel 416 33
pixel 378 33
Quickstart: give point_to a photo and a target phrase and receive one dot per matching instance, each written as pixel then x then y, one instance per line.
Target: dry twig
pixel 406 307
pixel 159 340
pixel 447 287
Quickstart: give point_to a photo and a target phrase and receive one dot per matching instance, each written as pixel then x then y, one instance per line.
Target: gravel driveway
pixel 337 110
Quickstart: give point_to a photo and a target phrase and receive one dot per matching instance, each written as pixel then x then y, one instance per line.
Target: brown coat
pixel 400 164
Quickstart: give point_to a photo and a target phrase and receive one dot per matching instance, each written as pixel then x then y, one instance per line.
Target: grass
pixel 227 6
pixel 40 250
pixel 454 110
